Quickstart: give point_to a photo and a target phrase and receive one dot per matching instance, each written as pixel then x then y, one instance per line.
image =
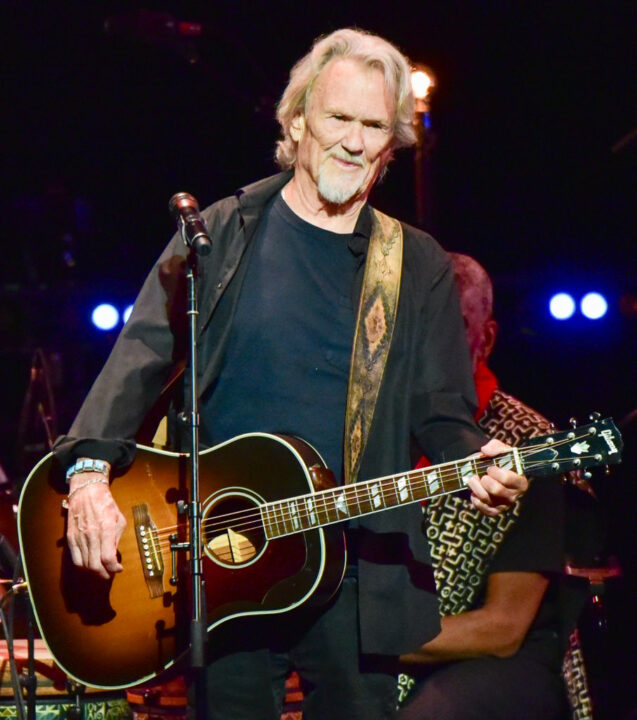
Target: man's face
pixel 344 141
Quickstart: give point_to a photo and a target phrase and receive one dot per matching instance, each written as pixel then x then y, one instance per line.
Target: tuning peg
pixel 587 475
pixel 606 470
pixel 552 427
pixel 573 422
pixel 594 416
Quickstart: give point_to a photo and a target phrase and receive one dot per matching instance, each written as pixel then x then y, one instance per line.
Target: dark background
pixel 110 108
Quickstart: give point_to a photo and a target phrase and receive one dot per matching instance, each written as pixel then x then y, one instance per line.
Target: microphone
pixel 185 209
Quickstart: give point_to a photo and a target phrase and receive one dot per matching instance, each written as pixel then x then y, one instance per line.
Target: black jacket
pixel 427 393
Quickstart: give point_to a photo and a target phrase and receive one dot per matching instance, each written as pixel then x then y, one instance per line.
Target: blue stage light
pixel 126 313
pixel 105 316
pixel 593 306
pixel 562 306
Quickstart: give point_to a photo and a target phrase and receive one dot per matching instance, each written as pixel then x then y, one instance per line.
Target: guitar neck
pixel 315 510
pixel 591 445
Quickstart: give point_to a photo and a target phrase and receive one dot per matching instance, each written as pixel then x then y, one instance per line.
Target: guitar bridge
pixel 149 550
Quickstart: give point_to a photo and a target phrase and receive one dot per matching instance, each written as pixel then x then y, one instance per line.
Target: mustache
pixel 347 157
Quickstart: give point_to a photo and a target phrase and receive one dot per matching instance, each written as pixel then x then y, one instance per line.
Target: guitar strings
pixel 350 493
pixel 254 522
pixel 253 518
pixel 348 490
pixel 246 549
pixel 244 544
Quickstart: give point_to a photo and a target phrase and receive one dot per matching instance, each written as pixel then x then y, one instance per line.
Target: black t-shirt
pixel 535 543
pixel 286 367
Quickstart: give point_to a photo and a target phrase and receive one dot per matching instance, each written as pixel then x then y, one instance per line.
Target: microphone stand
pixel 198 626
pixel 31 680
pixel 23 684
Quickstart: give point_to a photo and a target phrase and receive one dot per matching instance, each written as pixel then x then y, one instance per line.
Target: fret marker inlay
pixel 505 462
pixel 432 480
pixel 466 471
pixel 341 504
pixel 310 510
pixel 294 514
pixel 403 493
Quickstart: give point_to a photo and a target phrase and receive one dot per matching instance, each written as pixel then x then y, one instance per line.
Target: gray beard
pixel 334 192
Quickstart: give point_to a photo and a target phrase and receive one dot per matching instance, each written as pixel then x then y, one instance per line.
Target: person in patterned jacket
pixel 499 653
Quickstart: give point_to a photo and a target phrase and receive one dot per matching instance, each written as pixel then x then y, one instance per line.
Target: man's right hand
pixel 95 525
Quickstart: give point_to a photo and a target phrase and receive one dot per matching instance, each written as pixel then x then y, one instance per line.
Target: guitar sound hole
pixel 232 531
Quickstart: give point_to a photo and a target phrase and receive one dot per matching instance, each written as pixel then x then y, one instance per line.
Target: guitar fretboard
pixel 314 510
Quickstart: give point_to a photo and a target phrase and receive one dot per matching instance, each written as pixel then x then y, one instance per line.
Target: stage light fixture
pixel 105 316
pixel 593 306
pixel 422 80
pixel 562 306
pixel 126 313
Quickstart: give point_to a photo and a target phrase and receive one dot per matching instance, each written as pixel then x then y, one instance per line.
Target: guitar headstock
pixel 581 447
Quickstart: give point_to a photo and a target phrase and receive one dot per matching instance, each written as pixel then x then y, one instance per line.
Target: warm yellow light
pixel 421 82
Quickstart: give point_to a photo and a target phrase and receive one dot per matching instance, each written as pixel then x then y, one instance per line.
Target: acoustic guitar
pixel 271 541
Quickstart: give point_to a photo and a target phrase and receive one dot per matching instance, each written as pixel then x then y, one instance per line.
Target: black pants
pixel 488 688
pixel 245 681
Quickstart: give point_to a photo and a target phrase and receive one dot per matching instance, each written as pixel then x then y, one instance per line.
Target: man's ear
pixel 297 127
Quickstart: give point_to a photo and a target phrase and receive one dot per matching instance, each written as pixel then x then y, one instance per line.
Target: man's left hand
pixel 499 488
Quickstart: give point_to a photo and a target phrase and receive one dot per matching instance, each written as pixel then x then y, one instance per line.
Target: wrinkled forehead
pixel 335 79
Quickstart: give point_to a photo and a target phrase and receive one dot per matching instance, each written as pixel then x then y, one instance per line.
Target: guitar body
pixel 121 632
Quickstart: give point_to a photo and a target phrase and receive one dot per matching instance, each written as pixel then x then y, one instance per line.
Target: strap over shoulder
pixel 374 328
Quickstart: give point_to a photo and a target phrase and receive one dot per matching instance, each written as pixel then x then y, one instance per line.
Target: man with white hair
pixel 323 319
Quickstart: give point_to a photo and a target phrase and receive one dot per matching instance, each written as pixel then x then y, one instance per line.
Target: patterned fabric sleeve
pixel 463 541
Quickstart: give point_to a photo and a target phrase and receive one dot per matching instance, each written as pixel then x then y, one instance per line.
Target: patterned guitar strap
pixel 374 328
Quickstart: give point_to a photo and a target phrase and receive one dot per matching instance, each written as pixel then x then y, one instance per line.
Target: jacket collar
pixel 259 193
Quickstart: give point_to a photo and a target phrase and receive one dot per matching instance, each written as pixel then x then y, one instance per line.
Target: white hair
pixel 371 50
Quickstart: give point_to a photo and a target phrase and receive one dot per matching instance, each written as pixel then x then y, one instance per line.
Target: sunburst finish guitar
pixel 271 541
